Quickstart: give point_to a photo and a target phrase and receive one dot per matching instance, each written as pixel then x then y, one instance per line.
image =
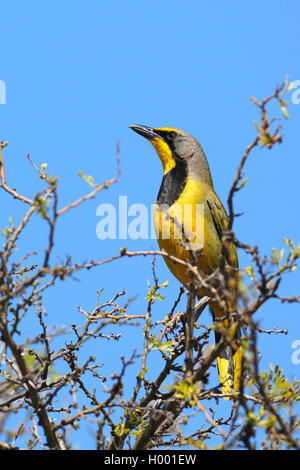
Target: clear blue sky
pixel 78 73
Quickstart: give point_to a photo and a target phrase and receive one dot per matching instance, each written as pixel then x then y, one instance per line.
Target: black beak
pixel 145 131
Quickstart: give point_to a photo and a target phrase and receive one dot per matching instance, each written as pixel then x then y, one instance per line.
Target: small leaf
pixel 164 284
pixel 120 430
pixel 288 242
pixel 250 272
pixel 87 178
pixel 282 102
pixel 264 140
pixel 242 184
pixel 286 82
pixel 285 112
pixel 257 126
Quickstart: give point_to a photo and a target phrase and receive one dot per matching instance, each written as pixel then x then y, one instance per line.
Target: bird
pixel 196 235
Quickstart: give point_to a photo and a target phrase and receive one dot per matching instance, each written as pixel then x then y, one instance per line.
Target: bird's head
pixel 176 147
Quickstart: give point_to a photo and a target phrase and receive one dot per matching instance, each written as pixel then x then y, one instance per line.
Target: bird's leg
pixel 189 332
pixel 191 316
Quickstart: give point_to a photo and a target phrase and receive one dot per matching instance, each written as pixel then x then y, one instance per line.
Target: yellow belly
pixel 188 226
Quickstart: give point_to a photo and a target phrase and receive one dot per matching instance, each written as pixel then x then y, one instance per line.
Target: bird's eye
pixel 171 135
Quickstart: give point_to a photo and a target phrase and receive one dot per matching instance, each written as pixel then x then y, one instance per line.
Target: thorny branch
pixel 150 413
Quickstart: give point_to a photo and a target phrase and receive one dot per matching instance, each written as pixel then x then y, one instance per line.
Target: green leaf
pixel 249 270
pixel 153 294
pixel 141 375
pixel 89 179
pixel 242 184
pixel 257 126
pixel 285 112
pixel 120 430
pixel 264 140
pixel 186 390
pixel 288 242
pixel 155 344
pixel 282 102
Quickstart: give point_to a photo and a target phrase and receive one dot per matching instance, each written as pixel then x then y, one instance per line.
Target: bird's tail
pixel 230 359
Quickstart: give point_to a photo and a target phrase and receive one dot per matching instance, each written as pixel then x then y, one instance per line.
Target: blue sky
pixel 77 74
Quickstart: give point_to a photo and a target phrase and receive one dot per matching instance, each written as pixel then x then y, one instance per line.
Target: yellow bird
pixel 189 221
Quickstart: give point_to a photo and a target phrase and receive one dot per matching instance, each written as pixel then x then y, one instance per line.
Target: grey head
pixel 184 147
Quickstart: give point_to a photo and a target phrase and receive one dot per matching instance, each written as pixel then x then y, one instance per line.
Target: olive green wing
pixel 220 220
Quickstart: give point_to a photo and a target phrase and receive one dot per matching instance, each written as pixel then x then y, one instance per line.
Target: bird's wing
pixel 220 220
pixel 230 361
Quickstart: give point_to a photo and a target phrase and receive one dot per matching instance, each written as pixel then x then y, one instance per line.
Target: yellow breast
pixel 187 226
